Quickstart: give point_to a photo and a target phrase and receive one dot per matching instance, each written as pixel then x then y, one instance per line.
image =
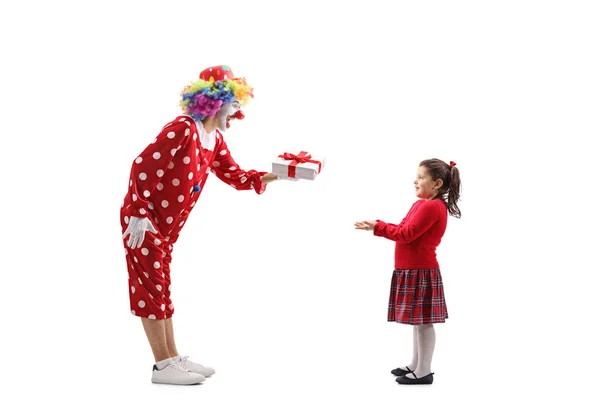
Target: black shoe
pixel 424 380
pixel 401 371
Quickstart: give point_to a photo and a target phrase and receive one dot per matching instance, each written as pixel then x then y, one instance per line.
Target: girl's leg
pixel 415 360
pixel 426 345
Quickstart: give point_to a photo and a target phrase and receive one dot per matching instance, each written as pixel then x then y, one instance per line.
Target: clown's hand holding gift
pixel 165 183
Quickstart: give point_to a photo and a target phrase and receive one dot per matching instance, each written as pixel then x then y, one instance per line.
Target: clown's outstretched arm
pixel 230 172
pixel 147 169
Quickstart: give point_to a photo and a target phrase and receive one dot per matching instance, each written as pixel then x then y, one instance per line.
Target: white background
pixel 278 292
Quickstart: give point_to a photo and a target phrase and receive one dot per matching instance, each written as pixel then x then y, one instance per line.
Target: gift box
pixel 298 164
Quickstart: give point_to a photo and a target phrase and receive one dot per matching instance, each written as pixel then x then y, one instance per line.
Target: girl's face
pixel 425 186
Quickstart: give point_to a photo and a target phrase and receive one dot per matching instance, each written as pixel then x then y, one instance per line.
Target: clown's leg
pixel 166 370
pixel 166 269
pixel 157 337
pixel 170 337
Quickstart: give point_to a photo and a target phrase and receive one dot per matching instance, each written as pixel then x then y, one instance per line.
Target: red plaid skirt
pixel 417 297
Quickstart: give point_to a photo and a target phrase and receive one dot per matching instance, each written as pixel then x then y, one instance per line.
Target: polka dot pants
pixel 149 276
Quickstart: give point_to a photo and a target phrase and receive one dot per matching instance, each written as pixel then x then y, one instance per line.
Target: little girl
pixel 417 291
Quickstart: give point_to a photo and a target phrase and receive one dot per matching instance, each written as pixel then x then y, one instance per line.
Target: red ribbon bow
pixel 302 157
pixel 452 164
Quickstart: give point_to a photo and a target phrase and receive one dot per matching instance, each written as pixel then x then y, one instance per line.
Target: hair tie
pixel 452 164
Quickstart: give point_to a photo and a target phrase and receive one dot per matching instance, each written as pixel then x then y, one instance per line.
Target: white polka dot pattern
pixel 165 173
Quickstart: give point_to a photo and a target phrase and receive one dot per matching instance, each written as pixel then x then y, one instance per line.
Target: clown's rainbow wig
pixel 201 99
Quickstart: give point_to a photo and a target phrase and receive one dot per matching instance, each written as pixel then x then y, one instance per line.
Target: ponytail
pixel 450 190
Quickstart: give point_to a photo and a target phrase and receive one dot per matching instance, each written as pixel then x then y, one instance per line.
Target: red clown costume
pixel 167 179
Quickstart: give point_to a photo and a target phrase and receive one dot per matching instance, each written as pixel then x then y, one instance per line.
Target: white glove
pixel 137 231
pixel 286 178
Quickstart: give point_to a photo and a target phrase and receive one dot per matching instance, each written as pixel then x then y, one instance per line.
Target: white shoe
pixel 175 374
pixel 186 363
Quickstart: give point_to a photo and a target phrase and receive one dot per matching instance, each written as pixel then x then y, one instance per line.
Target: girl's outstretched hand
pixel 365 225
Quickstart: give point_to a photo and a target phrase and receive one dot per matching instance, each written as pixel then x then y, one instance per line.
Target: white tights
pixel 423 346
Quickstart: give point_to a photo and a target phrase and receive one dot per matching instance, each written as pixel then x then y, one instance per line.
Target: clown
pixel 166 181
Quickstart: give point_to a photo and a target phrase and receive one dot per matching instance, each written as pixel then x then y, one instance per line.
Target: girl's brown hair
pixel 450 190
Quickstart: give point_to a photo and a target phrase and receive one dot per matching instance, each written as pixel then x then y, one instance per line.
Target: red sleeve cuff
pixel 257 184
pixel 378 227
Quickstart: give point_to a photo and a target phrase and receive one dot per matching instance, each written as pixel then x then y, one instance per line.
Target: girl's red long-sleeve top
pixel 418 235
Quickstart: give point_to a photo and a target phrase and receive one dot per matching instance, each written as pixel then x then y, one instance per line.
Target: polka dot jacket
pixel 168 176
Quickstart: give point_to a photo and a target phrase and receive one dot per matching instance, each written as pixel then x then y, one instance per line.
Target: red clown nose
pixel 239 115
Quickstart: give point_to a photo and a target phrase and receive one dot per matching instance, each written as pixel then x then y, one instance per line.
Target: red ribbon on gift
pixel 302 157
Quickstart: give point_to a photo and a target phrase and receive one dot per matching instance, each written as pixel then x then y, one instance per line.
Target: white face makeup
pixel 226 114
